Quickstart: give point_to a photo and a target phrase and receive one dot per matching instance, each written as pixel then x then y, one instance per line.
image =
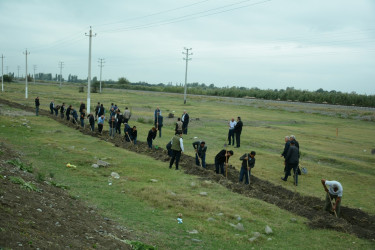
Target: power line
pixel 187 54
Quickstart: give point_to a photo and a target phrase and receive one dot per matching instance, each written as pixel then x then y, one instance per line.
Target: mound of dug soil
pixel 353 221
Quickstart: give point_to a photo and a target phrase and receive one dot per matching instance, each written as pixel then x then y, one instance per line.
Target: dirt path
pixel 353 221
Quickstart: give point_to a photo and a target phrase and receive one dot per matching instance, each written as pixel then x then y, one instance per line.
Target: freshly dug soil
pixel 353 221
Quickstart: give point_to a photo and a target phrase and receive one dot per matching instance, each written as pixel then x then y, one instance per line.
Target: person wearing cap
pixel 334 191
pixel 237 131
pixel 248 162
pixel 200 152
pixel 177 149
pixel 291 162
pixel 222 158
pixel 231 125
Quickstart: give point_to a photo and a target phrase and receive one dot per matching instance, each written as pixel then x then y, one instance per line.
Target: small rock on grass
pixel 268 230
pixel 293 220
pixel 193 232
pixel 115 175
pixel 95 165
pixel 153 180
pixel 210 219
pixel 203 193
pixel 39 210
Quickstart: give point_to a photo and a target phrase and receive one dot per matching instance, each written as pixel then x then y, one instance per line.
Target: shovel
pixel 332 204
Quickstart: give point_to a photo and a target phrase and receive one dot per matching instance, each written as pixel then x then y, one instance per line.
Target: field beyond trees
pixel 335 142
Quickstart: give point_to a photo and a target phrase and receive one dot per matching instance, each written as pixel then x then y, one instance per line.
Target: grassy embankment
pixel 151 208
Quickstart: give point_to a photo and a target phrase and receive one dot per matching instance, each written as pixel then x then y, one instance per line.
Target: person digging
pixel 334 191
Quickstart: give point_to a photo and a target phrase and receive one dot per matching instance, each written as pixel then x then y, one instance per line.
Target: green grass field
pixel 151 208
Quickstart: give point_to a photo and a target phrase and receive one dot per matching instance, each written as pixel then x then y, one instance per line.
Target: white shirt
pixel 339 189
pixel 183 117
pixel 232 124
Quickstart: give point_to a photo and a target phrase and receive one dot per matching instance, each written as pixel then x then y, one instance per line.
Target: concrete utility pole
pixel 186 59
pixel 89 74
pixel 7 70
pixel 2 73
pixel 18 68
pixel 61 65
pixel 101 61
pixel 34 72
pixel 26 90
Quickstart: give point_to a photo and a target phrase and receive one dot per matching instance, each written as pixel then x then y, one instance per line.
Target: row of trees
pixel 288 94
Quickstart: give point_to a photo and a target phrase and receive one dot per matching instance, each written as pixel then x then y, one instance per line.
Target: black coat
pixel 286 148
pixel 292 156
pixel 37 103
pixel 238 127
pixel 220 157
pixel 186 120
pixel 151 135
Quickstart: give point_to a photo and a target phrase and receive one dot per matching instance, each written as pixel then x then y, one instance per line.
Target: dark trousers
pixel 51 110
pixel 118 128
pixel 219 165
pixel 245 172
pixel 100 127
pixel 56 112
pixel 68 117
pixel 289 167
pixel 328 206
pixel 159 128
pixel 62 115
pixel 82 122
pixel 92 125
pixel 203 159
pixel 238 139
pixel 184 129
pixel 175 156
pixel 149 142
pixel 230 136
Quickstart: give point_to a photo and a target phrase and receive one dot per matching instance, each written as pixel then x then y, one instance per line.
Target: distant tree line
pixel 288 94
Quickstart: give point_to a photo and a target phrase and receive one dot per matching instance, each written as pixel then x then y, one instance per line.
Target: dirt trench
pixel 352 221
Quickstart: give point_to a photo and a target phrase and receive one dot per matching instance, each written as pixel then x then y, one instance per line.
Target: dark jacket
pixel 133 134
pixel 62 109
pixel 186 120
pixel 159 121
pixel 74 114
pixel 201 151
pixel 68 112
pixel 292 156
pixel 37 103
pixel 82 107
pixel 112 124
pixel 51 105
pixel 238 127
pixel 82 117
pixel 119 119
pixel 151 135
pixel 91 119
pixel 247 163
pixel 220 157
pixel 101 111
pixel 286 148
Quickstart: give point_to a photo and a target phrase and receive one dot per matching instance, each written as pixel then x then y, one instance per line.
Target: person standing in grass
pixel 127 115
pixel 119 120
pixel 151 136
pixel 51 106
pixel 178 128
pixel 334 191
pixel 62 110
pixel 285 151
pixel 157 110
pixel 101 110
pixel 82 107
pixel 101 123
pixel 97 110
pixel 75 116
pixel 91 121
pixel 232 123
pixel 82 117
pixel 159 123
pixel 238 131
pixel 68 110
pixel 37 104
pixel 112 126
pixel 248 162
pixel 200 152
pixel 133 135
pixel 222 158
pixel 177 149
pixel 185 122
pixel 291 162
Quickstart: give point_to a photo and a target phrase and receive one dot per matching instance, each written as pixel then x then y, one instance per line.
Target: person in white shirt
pixel 334 191
pixel 232 124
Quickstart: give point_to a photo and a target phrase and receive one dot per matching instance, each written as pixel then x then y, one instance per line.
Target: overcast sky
pixel 266 44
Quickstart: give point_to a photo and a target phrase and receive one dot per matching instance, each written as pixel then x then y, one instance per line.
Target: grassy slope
pixel 150 208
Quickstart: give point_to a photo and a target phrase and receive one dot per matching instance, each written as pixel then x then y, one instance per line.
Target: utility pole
pixel 101 61
pixel 35 67
pixel 7 70
pixel 186 59
pixel 89 74
pixel 26 90
pixel 18 68
pixel 61 65
pixel 2 73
